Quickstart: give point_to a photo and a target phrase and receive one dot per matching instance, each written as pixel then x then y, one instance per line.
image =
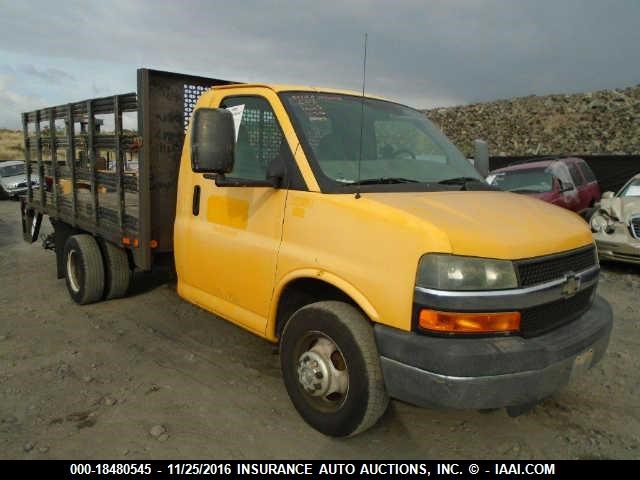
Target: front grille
pixel 543 318
pixel 21 185
pixel 635 227
pixel 533 271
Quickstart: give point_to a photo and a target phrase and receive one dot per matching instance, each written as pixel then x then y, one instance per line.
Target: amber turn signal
pixel 459 322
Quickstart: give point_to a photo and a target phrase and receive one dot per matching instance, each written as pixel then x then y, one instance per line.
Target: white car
pixel 13 179
pixel 616 224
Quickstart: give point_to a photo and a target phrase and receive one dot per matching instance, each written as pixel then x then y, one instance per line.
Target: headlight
pixel 451 272
pixel 600 223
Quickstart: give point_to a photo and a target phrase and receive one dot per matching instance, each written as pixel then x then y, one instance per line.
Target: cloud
pixel 426 54
pixel 12 104
pixel 49 74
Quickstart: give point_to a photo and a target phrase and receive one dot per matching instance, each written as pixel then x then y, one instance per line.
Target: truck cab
pixel 346 224
pixel 344 228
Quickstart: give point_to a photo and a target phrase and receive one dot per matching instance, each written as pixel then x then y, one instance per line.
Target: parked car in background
pixel 13 179
pixel 616 223
pixel 566 182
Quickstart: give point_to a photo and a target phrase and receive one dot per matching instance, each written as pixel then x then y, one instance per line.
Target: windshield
pixel 397 142
pixel 12 170
pixel 537 180
pixel 631 190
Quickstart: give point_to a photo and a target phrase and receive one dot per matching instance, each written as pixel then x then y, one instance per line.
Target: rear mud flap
pixel 31 221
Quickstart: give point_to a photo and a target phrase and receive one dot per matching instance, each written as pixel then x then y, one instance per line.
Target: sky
pixel 428 53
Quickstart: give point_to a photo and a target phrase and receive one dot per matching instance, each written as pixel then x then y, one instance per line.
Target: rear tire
pixel 84 269
pixel 117 271
pixel 331 368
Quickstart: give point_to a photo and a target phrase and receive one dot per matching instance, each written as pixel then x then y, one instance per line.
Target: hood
pixel 15 179
pixel 492 224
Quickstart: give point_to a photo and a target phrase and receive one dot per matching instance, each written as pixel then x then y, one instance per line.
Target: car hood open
pixel 622 208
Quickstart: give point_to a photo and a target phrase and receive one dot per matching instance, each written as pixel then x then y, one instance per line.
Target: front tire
pixel 84 269
pixel 331 368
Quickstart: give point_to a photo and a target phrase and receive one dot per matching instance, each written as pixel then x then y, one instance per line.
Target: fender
pixel 318 274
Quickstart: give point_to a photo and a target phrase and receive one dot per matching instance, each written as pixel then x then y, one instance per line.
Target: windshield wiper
pixel 382 180
pixel 460 181
pixel 525 190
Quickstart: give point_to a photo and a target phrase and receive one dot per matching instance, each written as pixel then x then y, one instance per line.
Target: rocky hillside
pixel 602 122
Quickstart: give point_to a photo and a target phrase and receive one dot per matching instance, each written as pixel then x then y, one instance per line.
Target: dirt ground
pixel 151 376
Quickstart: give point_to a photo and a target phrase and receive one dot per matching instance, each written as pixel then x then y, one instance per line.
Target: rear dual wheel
pixel 84 269
pixel 117 271
pixel 92 273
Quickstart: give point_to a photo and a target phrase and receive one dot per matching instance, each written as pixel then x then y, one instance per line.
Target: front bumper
pixel 16 192
pixel 619 246
pixel 490 372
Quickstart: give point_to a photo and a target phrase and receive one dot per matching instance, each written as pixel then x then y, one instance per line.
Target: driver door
pixel 234 237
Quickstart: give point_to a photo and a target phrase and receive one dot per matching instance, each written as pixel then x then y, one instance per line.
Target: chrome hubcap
pixel 322 371
pixel 313 373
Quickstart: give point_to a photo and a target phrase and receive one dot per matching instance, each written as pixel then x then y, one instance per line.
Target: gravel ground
pixel 151 376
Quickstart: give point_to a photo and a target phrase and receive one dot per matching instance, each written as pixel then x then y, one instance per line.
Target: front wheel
pixel 331 368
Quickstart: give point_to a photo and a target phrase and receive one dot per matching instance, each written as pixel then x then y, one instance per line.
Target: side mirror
pixel 481 157
pixel 607 195
pixel 565 186
pixel 212 141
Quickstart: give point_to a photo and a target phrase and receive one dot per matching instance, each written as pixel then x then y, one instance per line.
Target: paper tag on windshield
pixel 237 112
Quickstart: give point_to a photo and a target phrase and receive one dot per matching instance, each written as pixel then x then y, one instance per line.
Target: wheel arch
pixel 308 286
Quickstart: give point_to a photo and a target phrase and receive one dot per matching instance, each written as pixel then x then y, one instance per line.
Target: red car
pixel 566 182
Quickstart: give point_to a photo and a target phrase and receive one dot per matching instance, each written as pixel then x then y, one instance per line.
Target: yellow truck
pixel 346 229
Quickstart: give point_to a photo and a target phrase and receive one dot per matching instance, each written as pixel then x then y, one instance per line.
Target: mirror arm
pixel 222 181
pixel 481 157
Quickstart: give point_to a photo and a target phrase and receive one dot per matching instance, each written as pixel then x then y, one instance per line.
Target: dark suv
pixel 566 182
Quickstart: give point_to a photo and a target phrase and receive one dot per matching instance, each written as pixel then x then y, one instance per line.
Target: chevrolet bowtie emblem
pixel 571 285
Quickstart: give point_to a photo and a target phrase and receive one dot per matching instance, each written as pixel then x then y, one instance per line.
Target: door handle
pixel 196 200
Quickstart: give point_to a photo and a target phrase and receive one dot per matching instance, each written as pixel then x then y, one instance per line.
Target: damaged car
pixel 616 224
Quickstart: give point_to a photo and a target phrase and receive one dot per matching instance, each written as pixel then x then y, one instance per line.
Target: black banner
pixel 439 469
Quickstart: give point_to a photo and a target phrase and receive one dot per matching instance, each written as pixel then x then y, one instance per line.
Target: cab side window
pixel 587 172
pixel 259 138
